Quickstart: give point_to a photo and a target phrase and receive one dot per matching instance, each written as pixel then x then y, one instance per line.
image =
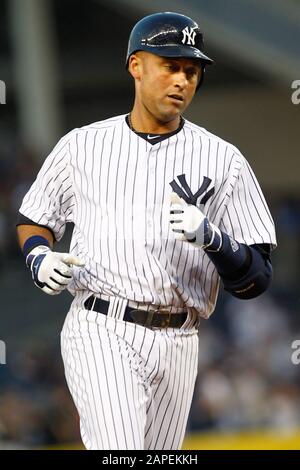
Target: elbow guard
pixel 255 281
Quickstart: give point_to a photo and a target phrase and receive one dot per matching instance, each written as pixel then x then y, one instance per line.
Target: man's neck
pixel 151 125
pixel 154 138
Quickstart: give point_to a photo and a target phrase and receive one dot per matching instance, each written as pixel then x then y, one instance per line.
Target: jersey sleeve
pixel 247 217
pixel 49 201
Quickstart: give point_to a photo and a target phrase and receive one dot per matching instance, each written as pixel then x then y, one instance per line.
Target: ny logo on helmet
pixel 189 35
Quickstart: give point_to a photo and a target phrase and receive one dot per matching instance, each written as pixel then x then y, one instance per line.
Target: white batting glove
pixel 188 223
pixel 51 271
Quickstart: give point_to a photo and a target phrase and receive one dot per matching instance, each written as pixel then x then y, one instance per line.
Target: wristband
pixel 32 242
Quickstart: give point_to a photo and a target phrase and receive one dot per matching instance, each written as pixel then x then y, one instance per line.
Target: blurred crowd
pixel 18 168
pixel 246 376
pixel 35 406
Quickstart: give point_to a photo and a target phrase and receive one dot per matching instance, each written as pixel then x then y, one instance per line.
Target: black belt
pixel 156 318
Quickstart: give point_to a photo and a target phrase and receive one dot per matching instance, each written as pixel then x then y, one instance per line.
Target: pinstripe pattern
pixel 133 386
pixel 115 187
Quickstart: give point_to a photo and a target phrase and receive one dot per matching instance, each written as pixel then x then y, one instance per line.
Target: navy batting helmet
pixel 168 35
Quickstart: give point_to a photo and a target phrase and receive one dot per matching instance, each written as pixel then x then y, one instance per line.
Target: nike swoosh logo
pixel 152 136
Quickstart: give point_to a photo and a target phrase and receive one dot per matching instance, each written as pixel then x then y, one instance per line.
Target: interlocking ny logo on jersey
pixel 189 35
pixel 185 192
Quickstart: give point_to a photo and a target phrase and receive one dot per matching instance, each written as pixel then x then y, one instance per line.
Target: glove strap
pixel 207 236
pixel 216 242
pixel 38 250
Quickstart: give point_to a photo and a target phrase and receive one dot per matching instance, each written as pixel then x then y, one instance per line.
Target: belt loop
pixel 93 305
pixel 111 311
pixel 89 302
pixel 116 308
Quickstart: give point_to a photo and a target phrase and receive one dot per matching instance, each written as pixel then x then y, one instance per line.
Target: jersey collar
pixel 155 138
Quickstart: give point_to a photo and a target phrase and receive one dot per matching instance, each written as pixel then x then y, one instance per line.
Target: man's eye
pixel 191 73
pixel 170 67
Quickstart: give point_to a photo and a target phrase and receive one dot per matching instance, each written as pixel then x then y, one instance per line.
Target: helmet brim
pixel 180 51
pixel 175 51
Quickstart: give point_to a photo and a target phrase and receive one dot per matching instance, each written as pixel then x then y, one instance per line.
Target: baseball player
pixel 162 210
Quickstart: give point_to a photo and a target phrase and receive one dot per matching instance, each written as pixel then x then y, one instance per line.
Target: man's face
pixel 165 86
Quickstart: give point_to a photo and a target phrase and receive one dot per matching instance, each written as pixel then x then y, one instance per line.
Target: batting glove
pixel 51 271
pixel 190 224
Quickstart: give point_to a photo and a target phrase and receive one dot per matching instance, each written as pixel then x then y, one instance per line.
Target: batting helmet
pixel 168 35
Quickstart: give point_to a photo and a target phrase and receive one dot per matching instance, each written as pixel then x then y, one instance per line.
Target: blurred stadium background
pixel 63 65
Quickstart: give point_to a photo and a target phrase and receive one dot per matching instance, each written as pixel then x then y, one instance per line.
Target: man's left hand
pixel 188 223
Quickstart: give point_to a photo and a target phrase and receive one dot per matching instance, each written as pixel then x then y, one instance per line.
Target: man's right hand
pixel 51 271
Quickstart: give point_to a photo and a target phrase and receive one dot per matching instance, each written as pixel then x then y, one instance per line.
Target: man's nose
pixel 181 79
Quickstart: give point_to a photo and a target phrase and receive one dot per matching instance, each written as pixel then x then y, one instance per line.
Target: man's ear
pixel 135 66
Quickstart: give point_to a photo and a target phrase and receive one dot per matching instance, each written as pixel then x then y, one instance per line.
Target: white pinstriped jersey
pixel 115 187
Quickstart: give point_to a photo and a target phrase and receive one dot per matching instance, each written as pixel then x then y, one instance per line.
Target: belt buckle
pixel 165 323
pixel 150 314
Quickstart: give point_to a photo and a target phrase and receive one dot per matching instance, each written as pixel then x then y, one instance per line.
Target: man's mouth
pixel 176 97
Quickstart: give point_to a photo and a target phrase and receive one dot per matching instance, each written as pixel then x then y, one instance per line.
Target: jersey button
pixel 159 291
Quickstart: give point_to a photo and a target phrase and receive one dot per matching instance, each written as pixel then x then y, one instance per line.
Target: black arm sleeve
pixel 249 279
pixel 256 280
